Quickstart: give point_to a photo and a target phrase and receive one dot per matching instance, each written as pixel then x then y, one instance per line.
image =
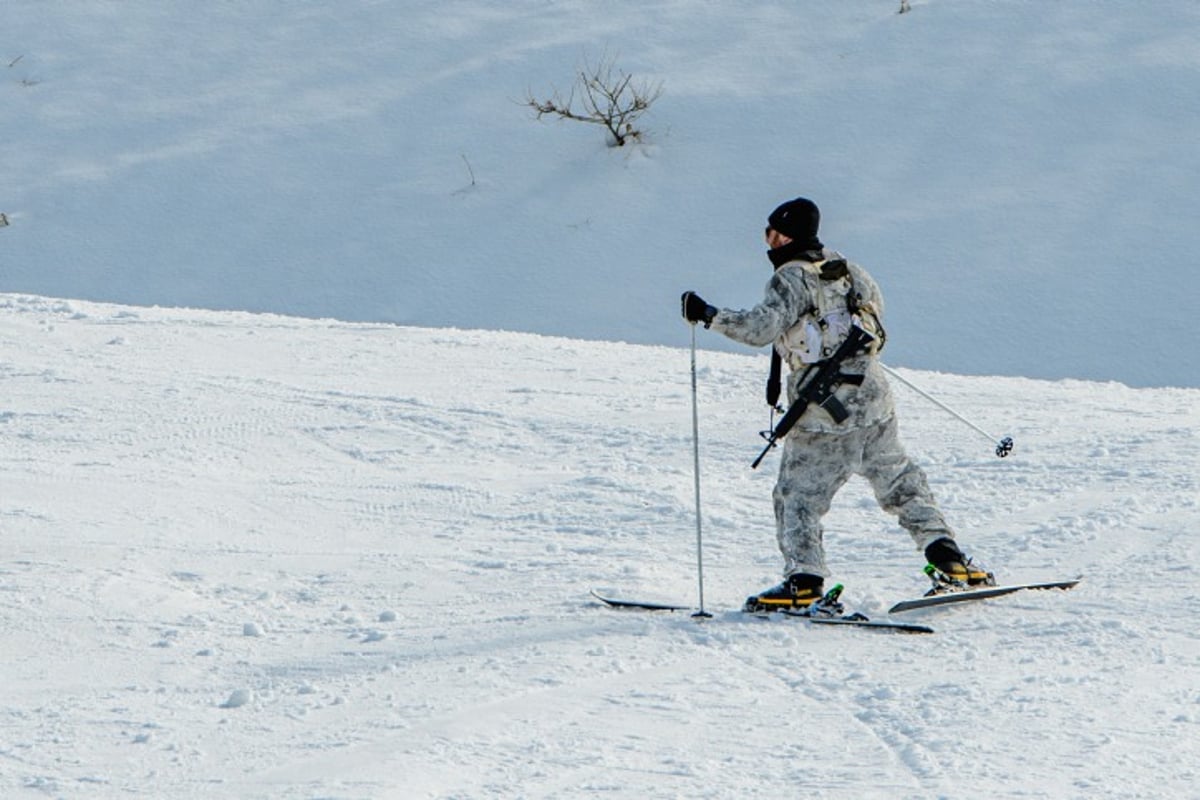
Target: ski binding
pixel 827 611
pixel 830 610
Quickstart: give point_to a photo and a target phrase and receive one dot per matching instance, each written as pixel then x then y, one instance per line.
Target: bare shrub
pixel 605 96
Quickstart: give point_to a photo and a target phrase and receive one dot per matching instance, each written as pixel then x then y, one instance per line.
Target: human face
pixel 776 239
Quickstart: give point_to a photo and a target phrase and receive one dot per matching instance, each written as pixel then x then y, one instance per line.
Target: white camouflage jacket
pixel 790 300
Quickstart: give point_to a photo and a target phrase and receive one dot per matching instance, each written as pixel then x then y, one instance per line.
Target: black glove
pixel 696 310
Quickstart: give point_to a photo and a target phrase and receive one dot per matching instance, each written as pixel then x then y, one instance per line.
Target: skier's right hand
pixel 696 310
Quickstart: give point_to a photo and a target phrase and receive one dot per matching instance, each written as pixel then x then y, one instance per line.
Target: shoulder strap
pixel 859 309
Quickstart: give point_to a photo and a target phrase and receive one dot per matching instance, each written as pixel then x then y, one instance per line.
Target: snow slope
pixel 268 557
pixel 1019 175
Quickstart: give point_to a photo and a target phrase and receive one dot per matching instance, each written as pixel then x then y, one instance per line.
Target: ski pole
pixel 1003 446
pixel 696 473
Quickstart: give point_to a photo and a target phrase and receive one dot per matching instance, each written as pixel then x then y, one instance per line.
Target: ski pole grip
pixel 1004 447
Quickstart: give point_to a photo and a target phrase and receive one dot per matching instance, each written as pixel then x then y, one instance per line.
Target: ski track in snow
pixel 260 557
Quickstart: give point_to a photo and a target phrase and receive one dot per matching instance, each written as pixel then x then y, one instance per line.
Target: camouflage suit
pixel 819 455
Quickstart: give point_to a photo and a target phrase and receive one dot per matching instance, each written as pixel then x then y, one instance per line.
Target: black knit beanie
pixel 799 220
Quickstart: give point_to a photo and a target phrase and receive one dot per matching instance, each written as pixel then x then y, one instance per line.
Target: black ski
pixel 955 595
pixel 855 619
pixel 861 621
pixel 643 605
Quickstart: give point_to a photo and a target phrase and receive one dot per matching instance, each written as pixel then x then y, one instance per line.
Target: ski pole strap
pixel 774 380
pixel 818 385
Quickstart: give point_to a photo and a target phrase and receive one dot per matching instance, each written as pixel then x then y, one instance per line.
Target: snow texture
pixel 410 520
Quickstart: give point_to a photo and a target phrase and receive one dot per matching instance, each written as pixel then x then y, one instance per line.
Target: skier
pixel 812 301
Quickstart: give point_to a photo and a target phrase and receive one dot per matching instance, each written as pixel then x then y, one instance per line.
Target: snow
pixel 281 546
pixel 257 556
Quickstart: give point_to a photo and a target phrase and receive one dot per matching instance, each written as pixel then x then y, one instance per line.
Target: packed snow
pixel 333 382
pixel 267 557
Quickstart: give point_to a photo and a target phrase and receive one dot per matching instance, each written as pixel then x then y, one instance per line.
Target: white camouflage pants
pixel 815 466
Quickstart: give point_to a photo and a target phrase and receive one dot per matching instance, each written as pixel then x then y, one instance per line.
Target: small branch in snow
pixel 609 98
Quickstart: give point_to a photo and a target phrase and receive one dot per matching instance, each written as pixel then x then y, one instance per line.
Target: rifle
pixel 820 387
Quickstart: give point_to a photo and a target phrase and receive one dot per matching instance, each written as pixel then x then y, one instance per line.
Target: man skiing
pixel 813 301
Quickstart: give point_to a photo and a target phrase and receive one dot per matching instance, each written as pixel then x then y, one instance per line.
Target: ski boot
pixel 950 570
pixel 797 592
